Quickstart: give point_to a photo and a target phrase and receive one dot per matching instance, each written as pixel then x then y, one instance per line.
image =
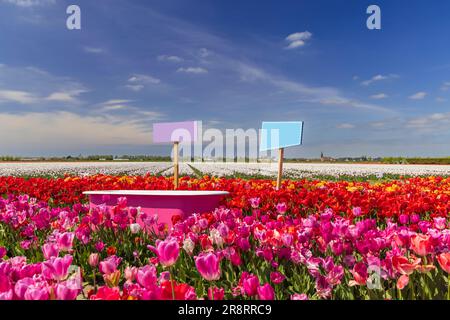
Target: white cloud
pixel 296 44
pixel 115 107
pixel 115 101
pixel 440 99
pixel 66 130
pixel 93 50
pixel 174 59
pixel 321 95
pixel 298 39
pixel 22 97
pixel 142 78
pixel 378 77
pixel 29 3
pixel 445 86
pixel 31 85
pixel 137 82
pixel 418 96
pixel 65 96
pixel 194 70
pixel 345 126
pixel 432 121
pixel 114 104
pixel 135 113
pixel 379 96
pixel 135 87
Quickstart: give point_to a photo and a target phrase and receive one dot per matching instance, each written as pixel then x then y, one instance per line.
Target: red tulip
pixel 106 293
pixel 216 293
pixel 444 261
pixel 405 266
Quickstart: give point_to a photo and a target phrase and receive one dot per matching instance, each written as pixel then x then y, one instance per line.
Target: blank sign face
pixel 275 135
pixel 166 132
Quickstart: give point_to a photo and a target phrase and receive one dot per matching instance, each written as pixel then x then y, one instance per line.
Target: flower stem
pixel 448 286
pixel 95 284
pixel 171 283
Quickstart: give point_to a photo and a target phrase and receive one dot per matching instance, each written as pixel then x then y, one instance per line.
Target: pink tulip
pixel 208 265
pixel 440 223
pixel 415 218
pixel 93 259
pixel 403 218
pixel 421 244
pixel 360 275
pixel 277 277
pixel 50 250
pixel 122 202
pixel 356 211
pixel 37 291
pixel 164 276
pixel 21 287
pixel 67 290
pixel 281 208
pixel 250 285
pixel 266 292
pixel 402 281
pixel 5 283
pixel 110 264
pixel 7 295
pixel 167 251
pixel 2 252
pixel 99 246
pixel 130 274
pixel 301 296
pixel 254 202
pixel 216 293
pixel 65 240
pixel 146 276
pixel 56 268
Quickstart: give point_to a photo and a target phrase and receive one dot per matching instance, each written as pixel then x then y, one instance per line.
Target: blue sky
pixel 231 64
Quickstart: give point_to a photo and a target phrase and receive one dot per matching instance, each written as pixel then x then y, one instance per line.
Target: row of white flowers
pixel 295 170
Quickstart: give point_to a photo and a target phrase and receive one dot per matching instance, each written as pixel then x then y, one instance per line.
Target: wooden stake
pixel 175 164
pixel 280 167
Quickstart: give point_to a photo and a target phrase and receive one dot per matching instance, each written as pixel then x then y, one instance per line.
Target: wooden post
pixel 175 165
pixel 280 167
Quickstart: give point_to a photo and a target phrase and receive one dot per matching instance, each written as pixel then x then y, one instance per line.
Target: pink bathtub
pixel 164 203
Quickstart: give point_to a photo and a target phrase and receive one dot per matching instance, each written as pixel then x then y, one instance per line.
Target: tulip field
pixel 311 239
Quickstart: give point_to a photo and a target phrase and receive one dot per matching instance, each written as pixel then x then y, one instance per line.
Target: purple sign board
pixel 167 132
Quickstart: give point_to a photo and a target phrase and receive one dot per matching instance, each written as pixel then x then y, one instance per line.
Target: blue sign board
pixel 276 135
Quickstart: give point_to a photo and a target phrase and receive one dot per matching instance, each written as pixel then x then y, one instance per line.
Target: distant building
pixel 326 159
